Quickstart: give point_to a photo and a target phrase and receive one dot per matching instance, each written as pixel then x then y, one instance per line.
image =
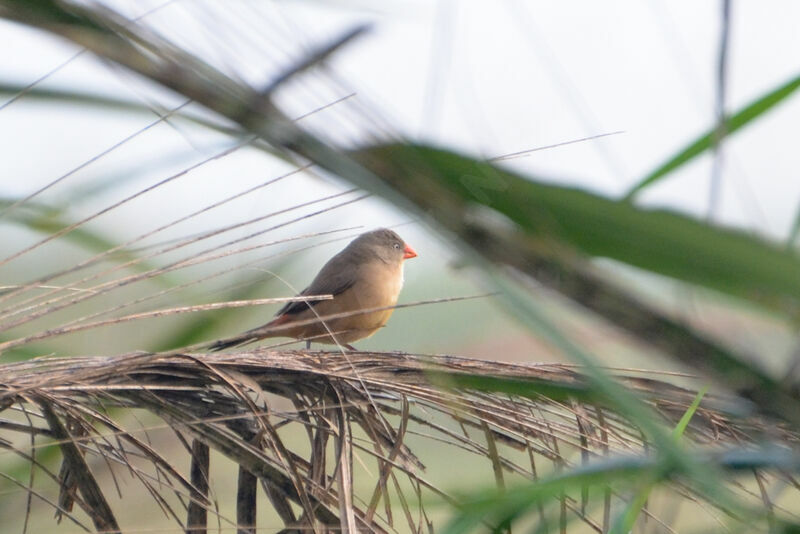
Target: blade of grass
pixel 793 233
pixel 108 103
pixel 628 517
pixel 622 472
pixel 562 221
pixel 499 508
pixel 47 220
pixel 529 388
pixel 735 122
pixel 680 428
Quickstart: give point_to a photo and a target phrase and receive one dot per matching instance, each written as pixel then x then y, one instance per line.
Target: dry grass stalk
pixel 363 404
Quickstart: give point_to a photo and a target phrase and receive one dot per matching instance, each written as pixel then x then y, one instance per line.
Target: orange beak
pixel 409 252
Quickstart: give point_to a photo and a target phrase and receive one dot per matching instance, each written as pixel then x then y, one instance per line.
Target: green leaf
pixel 48 12
pixel 23 353
pixel 793 233
pixel 47 220
pixel 109 103
pixel 66 96
pixel 530 388
pixel 497 507
pixel 637 504
pixel 738 120
pixel 680 428
pixel 561 219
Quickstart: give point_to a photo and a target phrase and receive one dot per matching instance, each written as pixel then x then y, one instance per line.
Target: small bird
pixel 367 274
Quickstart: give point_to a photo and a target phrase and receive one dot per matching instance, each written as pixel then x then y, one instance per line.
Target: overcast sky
pixel 484 77
pixel 489 78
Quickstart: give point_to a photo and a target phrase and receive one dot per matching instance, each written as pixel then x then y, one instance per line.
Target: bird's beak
pixel 409 252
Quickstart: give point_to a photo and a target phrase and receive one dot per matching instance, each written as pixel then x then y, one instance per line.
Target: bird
pixel 366 274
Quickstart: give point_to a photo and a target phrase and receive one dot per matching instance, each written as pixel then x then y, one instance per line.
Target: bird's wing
pixel 337 276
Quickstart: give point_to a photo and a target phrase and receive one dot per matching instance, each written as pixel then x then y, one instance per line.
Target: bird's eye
pixel 397 246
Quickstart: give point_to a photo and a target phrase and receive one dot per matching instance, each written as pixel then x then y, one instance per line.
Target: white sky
pixel 487 78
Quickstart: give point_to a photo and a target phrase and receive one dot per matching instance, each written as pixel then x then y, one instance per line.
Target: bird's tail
pixel 223 344
pixel 254 334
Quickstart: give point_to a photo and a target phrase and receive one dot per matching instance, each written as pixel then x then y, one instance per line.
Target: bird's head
pixel 386 244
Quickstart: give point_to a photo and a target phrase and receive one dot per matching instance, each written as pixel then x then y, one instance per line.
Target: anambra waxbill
pixel 367 274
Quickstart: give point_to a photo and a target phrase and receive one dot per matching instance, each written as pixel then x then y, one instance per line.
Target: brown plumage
pixel 367 274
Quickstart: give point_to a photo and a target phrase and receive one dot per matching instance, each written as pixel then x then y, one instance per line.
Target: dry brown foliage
pixel 386 408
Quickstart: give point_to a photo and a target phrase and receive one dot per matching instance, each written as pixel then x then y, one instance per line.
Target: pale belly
pixel 358 325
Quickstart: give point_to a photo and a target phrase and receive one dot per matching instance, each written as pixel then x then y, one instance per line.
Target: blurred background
pixel 485 78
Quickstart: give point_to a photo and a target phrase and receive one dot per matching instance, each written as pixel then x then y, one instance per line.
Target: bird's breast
pixel 380 285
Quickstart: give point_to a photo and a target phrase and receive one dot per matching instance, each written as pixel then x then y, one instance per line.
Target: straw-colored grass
pixel 226 402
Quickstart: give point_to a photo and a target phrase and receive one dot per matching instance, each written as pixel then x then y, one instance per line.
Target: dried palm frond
pixel 391 407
